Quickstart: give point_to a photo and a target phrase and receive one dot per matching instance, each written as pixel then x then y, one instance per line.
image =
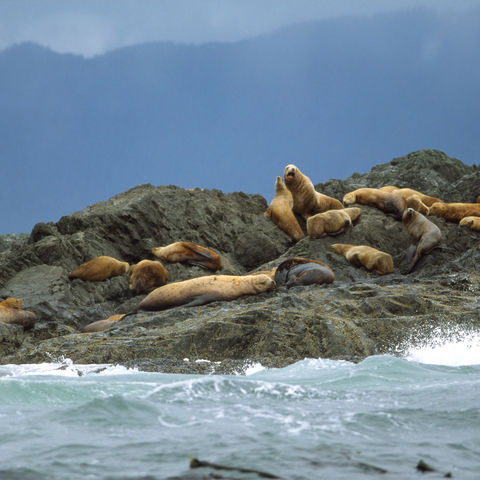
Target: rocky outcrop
pixel 359 314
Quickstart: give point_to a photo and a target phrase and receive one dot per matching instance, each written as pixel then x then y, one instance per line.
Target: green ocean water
pixel 313 419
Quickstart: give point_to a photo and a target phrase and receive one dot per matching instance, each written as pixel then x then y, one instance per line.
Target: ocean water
pixel 315 419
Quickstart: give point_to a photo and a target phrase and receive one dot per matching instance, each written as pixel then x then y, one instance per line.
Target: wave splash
pixel 454 348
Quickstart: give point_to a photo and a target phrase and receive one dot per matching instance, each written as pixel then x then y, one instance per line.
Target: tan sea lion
pixel 415 202
pixel 302 271
pixel 454 212
pixel 473 223
pixel 332 222
pixel 202 290
pixel 12 303
pixel 425 236
pixel 101 325
pixel 408 192
pixel 389 202
pixel 189 253
pixel 306 200
pixel 280 211
pixel 11 312
pixel 366 256
pixel 147 274
pixel 99 268
pixel 270 273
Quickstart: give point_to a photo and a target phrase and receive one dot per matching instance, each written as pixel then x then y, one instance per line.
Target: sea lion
pixel 408 192
pixel 12 303
pixel 389 202
pixel 425 236
pixel 302 271
pixel 202 290
pixel 332 222
pixel 270 273
pixel 454 212
pixel 280 211
pixel 11 312
pixel 473 223
pixel 366 256
pixel 306 200
pixel 189 253
pixel 147 274
pixel 101 325
pixel 415 202
pixel 99 268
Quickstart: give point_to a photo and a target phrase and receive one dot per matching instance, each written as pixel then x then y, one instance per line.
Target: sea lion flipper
pixel 197 300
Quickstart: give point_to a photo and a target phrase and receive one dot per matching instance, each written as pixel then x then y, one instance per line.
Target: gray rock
pixel 360 314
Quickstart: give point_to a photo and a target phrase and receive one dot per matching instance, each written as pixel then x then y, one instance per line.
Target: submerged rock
pixel 359 314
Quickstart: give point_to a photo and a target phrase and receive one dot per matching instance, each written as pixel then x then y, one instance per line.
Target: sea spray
pixel 455 348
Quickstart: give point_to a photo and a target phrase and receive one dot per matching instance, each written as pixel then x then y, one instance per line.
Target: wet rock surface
pixel 360 314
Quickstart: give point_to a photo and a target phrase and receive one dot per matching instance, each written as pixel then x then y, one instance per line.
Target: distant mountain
pixel 333 97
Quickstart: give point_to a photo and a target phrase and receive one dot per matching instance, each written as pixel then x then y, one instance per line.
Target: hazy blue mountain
pixel 332 97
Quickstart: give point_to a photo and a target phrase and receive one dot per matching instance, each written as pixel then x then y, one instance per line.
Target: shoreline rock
pixel 358 315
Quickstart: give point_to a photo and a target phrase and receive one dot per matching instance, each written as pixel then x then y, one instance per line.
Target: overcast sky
pixel 92 27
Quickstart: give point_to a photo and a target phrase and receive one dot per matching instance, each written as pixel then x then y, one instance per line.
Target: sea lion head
pixel 263 283
pixel 437 208
pixel 409 214
pixel 349 198
pixel 279 185
pixel 291 174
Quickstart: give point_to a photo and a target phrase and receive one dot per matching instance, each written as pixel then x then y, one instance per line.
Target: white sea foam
pixel 452 349
pixel 62 368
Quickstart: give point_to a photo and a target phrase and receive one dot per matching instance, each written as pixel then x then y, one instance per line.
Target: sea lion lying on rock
pixel 189 253
pixel 280 211
pixel 302 271
pixel 202 290
pixel 473 223
pixel 11 312
pixel 389 202
pixel 99 269
pixel 425 236
pixel 332 222
pixel 408 192
pixel 147 274
pixel 101 325
pixel 366 256
pixel 454 212
pixel 306 200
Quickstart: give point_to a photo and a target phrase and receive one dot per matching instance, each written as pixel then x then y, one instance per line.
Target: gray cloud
pixel 92 27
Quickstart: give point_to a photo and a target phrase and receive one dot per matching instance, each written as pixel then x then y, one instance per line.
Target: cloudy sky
pixel 92 27
pixel 397 76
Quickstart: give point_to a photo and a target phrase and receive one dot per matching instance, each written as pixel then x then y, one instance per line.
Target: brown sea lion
pixel 454 212
pixel 389 202
pixel 306 200
pixel 366 256
pixel 302 271
pixel 99 268
pixel 280 211
pixel 147 274
pixel 473 223
pixel 425 236
pixel 101 325
pixel 332 222
pixel 408 192
pixel 202 290
pixel 189 253
pixel 11 312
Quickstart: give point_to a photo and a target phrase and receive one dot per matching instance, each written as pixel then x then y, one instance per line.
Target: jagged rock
pixel 360 314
